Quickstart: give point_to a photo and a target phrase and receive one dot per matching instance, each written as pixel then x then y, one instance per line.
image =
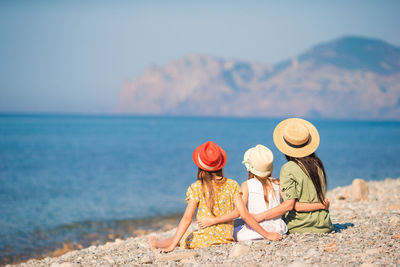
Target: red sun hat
pixel 209 156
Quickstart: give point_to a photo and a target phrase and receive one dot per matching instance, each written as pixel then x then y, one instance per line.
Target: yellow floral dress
pixel 223 204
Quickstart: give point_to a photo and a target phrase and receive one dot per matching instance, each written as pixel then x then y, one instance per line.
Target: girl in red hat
pixel 212 195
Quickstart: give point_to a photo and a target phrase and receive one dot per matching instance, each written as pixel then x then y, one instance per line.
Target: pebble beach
pixel 366 217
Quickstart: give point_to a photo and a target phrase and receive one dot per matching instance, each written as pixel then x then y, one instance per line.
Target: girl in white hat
pixel 260 193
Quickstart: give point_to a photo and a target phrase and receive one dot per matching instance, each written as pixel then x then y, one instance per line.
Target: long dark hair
pixel 310 165
pixel 208 182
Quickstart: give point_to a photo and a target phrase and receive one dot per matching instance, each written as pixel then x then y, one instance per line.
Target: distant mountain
pixel 351 77
pixel 354 53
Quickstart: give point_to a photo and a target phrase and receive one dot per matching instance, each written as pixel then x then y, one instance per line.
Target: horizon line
pixel 165 115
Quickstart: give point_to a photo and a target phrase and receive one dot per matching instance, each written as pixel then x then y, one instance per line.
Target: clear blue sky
pixel 72 56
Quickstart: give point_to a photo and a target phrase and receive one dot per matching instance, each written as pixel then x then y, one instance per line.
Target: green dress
pixel 295 184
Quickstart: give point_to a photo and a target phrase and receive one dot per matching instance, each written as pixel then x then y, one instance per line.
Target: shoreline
pixel 80 235
pixel 367 232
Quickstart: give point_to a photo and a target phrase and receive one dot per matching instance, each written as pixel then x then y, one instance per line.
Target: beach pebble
pixel 176 256
pixel 359 190
pixel 372 251
pixel 146 259
pixel 311 253
pixel 297 264
pixel 331 247
pixel 188 261
pixel 396 236
pixel 64 264
pixel 239 250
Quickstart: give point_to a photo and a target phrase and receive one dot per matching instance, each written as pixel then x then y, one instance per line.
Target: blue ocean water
pixel 59 173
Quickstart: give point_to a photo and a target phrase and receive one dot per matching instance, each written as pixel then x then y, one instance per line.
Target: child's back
pixel 256 201
pixel 224 193
pixel 256 204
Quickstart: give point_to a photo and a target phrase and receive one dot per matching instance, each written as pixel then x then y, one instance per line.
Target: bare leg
pixel 155 243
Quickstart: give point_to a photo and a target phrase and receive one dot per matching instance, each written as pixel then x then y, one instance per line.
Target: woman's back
pixel 296 184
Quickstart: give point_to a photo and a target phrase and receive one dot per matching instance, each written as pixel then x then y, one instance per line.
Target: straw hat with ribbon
pixel 259 161
pixel 209 156
pixel 296 137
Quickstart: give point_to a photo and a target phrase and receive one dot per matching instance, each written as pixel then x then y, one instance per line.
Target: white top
pixel 256 204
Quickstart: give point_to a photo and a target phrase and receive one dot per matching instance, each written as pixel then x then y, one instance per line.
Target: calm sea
pixel 76 178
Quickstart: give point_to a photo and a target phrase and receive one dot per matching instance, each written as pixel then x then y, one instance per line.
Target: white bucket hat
pixel 259 161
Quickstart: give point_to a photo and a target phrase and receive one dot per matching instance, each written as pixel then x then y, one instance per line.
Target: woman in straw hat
pixel 212 195
pixel 260 193
pixel 302 178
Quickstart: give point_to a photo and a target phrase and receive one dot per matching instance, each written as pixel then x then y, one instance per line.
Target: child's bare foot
pixel 153 241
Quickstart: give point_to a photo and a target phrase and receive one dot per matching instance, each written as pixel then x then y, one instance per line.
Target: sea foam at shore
pixel 367 233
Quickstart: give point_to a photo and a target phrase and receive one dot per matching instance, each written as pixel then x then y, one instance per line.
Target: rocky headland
pixel 351 77
pixel 367 233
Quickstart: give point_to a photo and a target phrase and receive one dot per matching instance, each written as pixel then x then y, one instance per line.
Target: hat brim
pixel 246 157
pixel 298 152
pixel 195 157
